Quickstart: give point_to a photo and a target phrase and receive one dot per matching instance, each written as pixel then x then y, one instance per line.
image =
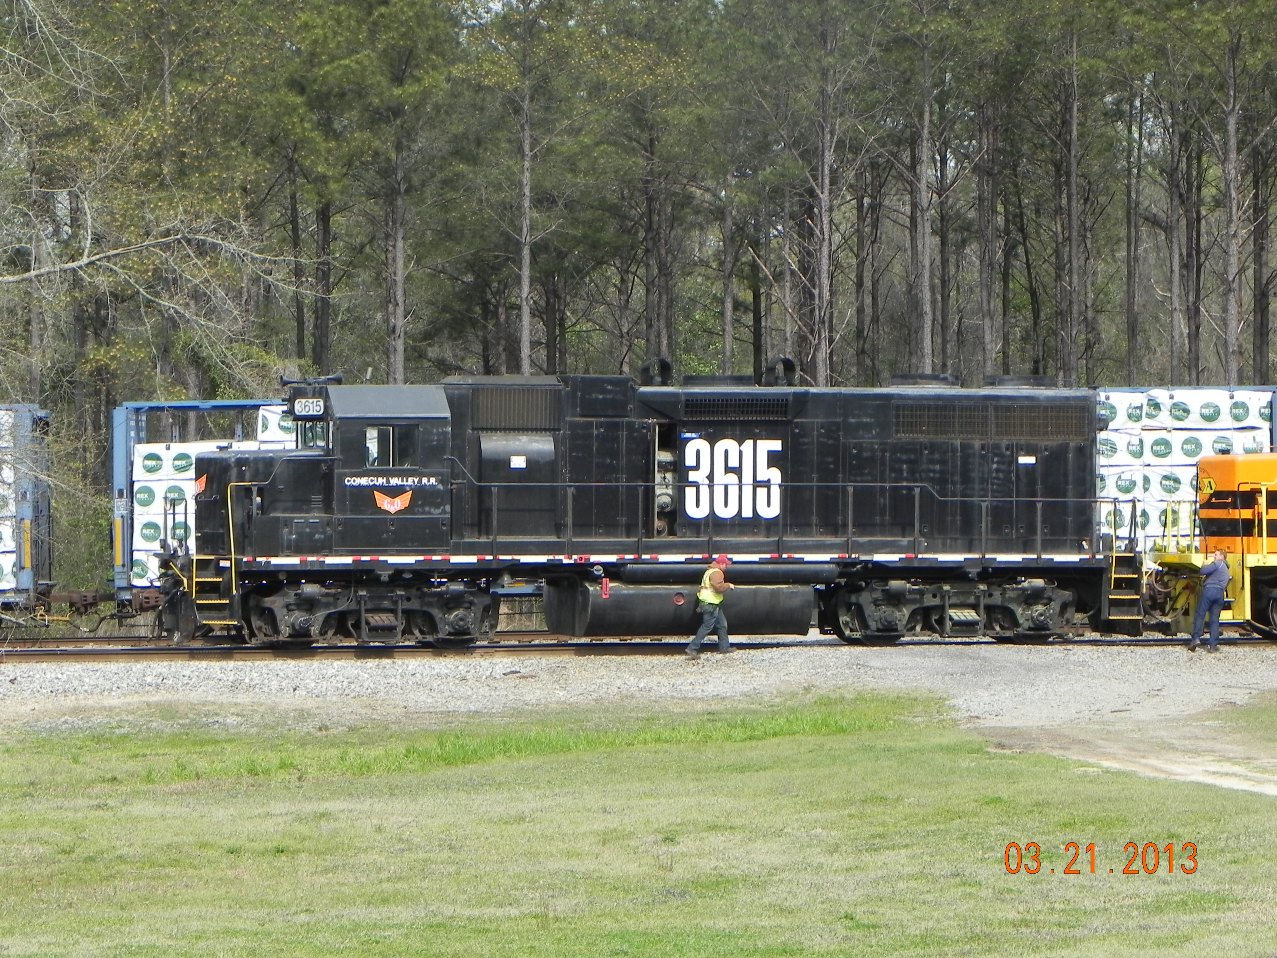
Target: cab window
pixel 379 446
pixel 312 435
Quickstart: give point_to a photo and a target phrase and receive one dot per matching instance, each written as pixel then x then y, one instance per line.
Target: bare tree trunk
pixel 873 341
pixel 1065 335
pixel 665 271
pixel 1261 198
pixel 789 303
pixel 729 281
pixel 552 289
pixel 949 362
pixel 1070 347
pixel 920 225
pixel 321 335
pixel 502 333
pixel 1193 258
pixel 1007 269
pixel 651 321
pixel 757 317
pixel 488 328
pixel 1134 182
pixel 826 163
pixel 299 269
pixel 862 262
pixel 658 228
pixel 525 215
pixel 876 270
pixel 1177 351
pixel 823 285
pixel 396 310
pixel 987 229
pixel 1035 292
pixel 81 319
pixel 626 280
pixel 1232 216
pixel 35 295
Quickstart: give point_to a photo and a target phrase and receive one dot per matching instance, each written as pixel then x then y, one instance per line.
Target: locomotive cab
pixel 370 477
pixel 389 483
pixel 369 480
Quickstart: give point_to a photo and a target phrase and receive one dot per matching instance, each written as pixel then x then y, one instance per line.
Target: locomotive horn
pixel 332 379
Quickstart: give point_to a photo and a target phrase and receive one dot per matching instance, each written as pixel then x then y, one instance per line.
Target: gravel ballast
pixel 1153 710
pixel 986 685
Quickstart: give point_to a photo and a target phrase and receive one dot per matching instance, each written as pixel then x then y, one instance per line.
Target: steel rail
pixel 528 644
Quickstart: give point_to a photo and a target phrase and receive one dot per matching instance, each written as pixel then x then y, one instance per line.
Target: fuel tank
pixel 577 608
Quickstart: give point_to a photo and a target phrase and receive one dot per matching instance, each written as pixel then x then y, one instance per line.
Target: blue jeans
pixel 1211 603
pixel 713 619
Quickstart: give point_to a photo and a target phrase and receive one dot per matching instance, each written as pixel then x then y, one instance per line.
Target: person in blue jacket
pixel 1215 576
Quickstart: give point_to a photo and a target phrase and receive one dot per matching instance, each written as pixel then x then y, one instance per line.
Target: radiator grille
pixel 980 421
pixel 741 408
pixel 1074 423
pixel 941 421
pixel 516 408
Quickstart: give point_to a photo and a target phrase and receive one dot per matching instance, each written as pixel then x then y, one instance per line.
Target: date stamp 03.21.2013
pixel 1147 858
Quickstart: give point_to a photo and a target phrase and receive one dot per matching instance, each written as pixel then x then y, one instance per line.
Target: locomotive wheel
pixel 1272 611
pixel 484 632
pixel 261 622
pixel 419 627
pixel 847 620
pixel 849 625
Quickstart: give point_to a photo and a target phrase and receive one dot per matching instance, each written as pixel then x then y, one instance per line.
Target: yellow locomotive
pixel 1236 511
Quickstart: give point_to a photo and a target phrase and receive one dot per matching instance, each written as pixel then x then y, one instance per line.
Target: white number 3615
pixel 732 479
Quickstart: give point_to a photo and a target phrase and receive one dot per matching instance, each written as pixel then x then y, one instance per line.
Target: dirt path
pixel 1187 753
pixel 1156 712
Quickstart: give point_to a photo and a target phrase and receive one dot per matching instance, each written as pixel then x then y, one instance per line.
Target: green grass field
pixel 862 826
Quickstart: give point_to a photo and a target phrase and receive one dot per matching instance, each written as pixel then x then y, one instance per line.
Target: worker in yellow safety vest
pixel 709 602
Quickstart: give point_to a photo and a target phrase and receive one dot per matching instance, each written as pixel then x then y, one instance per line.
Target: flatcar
pixel 409 512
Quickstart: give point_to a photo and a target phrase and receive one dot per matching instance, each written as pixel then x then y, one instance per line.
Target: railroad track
pixel 120 647
pixel 106 650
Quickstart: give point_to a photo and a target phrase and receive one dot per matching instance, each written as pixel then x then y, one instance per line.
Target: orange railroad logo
pixel 393 505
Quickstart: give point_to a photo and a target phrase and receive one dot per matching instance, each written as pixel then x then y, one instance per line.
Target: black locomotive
pixel 408 512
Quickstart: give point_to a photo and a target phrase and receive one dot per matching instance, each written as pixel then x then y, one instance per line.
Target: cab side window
pixel 379 446
pixel 312 435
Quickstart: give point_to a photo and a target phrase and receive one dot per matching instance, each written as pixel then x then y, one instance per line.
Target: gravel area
pixel 1125 707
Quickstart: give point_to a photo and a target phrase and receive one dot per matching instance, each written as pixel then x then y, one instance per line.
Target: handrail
pixel 1172 539
pixel 560 497
pixel 230 536
pixel 462 466
pixel 884 486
